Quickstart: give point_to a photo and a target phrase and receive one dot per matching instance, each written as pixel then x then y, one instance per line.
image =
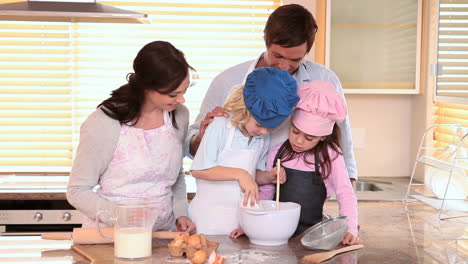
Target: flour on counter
pixel 177 260
pixel 247 256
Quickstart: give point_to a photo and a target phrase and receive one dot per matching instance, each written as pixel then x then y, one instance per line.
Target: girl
pixel 313 159
pixel 131 146
pixel 234 148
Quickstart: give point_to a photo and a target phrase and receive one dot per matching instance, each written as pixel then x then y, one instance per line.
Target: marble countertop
pixel 33 188
pixel 392 233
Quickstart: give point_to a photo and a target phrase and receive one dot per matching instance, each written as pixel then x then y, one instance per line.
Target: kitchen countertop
pixel 392 233
pixel 36 188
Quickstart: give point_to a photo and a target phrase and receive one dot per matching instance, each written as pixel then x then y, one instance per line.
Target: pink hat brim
pixel 313 125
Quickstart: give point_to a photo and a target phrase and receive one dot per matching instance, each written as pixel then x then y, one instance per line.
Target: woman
pixel 131 146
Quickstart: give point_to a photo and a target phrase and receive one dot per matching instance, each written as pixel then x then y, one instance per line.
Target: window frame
pixel 435 69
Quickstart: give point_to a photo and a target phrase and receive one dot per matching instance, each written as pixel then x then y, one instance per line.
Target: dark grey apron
pixel 307 189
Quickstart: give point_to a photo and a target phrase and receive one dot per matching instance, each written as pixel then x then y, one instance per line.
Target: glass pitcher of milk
pixel 133 225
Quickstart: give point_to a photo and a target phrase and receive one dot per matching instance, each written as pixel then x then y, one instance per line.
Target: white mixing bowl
pixel 270 227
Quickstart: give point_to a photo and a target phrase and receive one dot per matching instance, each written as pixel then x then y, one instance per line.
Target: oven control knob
pixel 38 217
pixel 66 216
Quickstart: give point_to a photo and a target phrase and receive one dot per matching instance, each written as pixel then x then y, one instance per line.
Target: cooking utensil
pixel 91 235
pixel 325 235
pixel 278 167
pixel 270 227
pixel 96 254
pixel 319 257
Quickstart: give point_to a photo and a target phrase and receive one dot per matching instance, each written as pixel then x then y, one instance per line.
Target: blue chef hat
pixel 270 95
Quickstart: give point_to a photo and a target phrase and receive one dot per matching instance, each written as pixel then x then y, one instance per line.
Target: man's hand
pixel 195 140
pixel 218 111
pixel 184 224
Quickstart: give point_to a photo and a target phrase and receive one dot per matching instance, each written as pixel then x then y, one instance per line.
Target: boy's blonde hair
pixel 236 107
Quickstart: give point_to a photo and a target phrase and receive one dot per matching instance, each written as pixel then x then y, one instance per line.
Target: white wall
pixel 381 126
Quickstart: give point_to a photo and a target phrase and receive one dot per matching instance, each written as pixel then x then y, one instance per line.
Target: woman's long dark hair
pixel 320 151
pixel 158 66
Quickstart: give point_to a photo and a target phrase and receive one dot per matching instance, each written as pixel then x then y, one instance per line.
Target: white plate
pixel 458 187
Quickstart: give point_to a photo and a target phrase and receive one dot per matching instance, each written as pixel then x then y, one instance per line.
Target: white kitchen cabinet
pixel 374 46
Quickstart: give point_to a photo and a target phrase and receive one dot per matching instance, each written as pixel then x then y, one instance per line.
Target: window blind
pixel 53 75
pixel 452 84
pixel 446 113
pixel 35 95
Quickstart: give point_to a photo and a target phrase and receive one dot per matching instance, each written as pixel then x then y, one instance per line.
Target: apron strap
pixel 316 161
pixel 230 136
pixel 280 151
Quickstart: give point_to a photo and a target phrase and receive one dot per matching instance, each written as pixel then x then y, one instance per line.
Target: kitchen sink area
pixel 381 188
pixel 363 186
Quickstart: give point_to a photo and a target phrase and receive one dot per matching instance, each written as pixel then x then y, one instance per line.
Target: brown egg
pixel 194 241
pixel 215 258
pixel 180 236
pixel 199 257
pixel 177 243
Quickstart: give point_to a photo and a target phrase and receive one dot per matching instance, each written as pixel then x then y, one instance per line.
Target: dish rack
pixel 448 159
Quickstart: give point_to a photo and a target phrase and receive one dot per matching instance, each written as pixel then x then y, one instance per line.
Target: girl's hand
pixel 350 239
pixel 236 233
pixel 184 224
pixel 249 188
pixel 282 175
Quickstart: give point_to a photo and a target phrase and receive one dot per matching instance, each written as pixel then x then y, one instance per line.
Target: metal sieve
pixel 325 235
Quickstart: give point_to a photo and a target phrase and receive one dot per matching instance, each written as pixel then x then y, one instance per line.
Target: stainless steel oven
pixel 37 216
pixel 31 204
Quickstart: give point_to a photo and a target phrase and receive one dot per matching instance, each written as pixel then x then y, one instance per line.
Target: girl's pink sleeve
pixel 340 183
pixel 267 191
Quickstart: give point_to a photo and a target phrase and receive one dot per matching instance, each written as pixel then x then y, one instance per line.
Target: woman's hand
pixel 350 239
pixel 184 224
pixel 249 188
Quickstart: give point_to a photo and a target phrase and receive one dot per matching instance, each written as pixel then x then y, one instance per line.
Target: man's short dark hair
pixel 290 26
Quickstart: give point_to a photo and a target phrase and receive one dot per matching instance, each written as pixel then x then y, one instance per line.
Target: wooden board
pixel 104 253
pixel 96 254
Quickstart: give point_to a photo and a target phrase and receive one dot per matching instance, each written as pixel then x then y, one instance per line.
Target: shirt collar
pixel 301 75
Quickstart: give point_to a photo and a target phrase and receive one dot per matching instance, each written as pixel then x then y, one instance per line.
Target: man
pixel 289 35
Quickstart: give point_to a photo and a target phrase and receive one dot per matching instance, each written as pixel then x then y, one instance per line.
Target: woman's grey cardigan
pixel 99 135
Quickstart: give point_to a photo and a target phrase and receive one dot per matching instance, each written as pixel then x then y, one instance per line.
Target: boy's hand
pixel 249 188
pixel 236 233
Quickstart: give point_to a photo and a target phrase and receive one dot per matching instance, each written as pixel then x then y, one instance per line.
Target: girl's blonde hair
pixel 236 107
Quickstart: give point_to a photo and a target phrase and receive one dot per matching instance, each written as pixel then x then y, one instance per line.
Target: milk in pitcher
pixel 132 242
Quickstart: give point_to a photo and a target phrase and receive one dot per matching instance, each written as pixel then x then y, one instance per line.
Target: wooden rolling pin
pixel 92 236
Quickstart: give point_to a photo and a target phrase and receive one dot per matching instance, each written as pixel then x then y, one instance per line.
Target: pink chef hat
pixel 319 107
